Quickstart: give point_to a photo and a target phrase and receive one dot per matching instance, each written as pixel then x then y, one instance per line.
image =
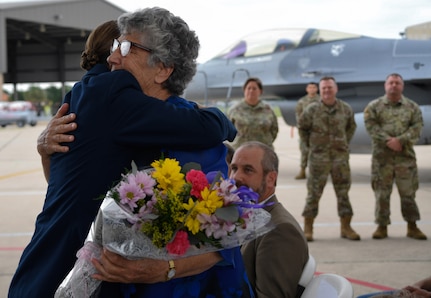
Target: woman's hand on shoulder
pixel 56 132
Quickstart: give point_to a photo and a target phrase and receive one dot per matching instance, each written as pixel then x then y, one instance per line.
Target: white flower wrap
pixel 113 231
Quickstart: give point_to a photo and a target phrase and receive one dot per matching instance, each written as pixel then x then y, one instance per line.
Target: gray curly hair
pixel 171 40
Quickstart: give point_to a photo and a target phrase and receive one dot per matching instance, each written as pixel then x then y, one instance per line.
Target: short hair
pixel 395 75
pixel 172 43
pixel 328 78
pixel 256 80
pixel 313 83
pixel 98 45
pixel 270 160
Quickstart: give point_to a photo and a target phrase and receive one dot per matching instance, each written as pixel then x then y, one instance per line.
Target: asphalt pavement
pixel 369 264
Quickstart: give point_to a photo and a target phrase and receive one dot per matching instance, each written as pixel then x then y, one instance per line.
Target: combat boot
pixel 381 232
pixel 414 232
pixel 346 229
pixel 308 228
pixel 301 175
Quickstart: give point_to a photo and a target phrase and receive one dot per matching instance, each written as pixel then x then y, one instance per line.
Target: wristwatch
pixel 171 272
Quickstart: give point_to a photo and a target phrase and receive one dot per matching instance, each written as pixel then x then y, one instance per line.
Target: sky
pixel 219 23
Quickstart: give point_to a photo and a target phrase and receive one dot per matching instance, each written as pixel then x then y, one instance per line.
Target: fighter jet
pixel 287 59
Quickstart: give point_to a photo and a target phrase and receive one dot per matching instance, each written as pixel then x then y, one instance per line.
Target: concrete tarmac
pixel 370 265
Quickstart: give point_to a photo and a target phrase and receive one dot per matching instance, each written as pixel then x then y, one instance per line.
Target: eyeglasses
pixel 125 46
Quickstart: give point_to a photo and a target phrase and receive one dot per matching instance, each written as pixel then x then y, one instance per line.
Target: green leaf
pixel 134 167
pixel 190 166
pixel 228 213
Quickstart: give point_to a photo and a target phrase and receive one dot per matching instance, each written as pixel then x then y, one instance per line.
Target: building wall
pixel 419 31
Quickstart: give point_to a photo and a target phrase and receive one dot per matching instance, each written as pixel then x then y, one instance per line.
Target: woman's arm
pixel 55 133
pixel 421 288
pixel 424 283
pixel 114 268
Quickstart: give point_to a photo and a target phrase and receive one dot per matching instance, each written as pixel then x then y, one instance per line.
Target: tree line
pixel 46 100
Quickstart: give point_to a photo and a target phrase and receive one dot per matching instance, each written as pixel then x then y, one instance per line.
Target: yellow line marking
pixel 19 173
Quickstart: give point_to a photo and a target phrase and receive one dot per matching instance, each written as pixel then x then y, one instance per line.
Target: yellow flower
pixel 168 175
pixel 189 206
pixel 208 205
pixel 191 222
pixel 211 201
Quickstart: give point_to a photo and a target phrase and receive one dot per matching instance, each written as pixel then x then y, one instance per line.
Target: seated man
pixel 274 262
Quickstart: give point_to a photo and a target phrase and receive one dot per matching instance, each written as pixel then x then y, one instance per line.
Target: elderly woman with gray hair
pixel 160 50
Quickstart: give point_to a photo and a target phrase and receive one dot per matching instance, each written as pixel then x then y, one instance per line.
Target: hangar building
pixel 42 41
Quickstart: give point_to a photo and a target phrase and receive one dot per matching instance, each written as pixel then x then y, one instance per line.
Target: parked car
pixel 17 112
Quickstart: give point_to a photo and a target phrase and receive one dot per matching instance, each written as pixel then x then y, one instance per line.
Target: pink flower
pixel 147 211
pixel 144 181
pixel 226 229
pixel 179 245
pixel 198 180
pixel 227 190
pixel 214 227
pixel 246 216
pixel 130 194
pixel 209 224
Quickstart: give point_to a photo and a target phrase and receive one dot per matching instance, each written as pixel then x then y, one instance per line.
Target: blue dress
pixel 227 279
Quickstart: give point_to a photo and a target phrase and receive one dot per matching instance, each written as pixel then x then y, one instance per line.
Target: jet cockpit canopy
pixel 279 40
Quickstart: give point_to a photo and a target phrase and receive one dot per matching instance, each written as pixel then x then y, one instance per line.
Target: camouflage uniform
pixel 253 123
pixel 402 120
pixel 327 130
pixel 303 102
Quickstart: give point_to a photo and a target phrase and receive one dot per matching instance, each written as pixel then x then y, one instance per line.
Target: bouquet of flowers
pixel 167 212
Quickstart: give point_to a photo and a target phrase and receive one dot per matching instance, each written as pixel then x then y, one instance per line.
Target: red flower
pixel 179 245
pixel 198 180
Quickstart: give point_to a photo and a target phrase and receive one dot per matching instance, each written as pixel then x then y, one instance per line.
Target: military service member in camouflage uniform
pixel 327 128
pixel 394 123
pixel 253 119
pixel 303 102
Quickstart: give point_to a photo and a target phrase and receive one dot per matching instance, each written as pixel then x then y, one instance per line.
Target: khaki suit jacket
pixel 274 262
